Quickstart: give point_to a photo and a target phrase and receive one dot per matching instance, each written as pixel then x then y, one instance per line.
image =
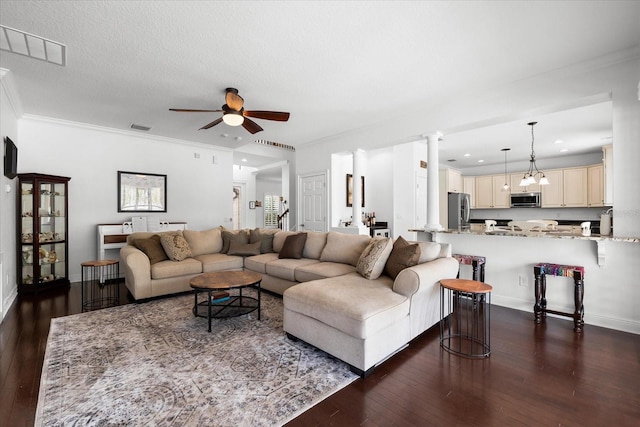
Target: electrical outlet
pixel 523 281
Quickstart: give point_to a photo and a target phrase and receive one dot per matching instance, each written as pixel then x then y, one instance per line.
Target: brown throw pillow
pixel 293 246
pixel 266 240
pixel 152 248
pixel 374 258
pixel 239 236
pixel 244 249
pixel 175 245
pixel 403 255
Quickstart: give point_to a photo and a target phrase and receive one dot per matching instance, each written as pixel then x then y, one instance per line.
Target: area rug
pixel 155 364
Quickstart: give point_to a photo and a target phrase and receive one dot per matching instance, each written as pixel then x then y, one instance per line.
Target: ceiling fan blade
pixel 267 115
pixel 234 101
pixel 194 111
pixel 212 124
pixel 251 126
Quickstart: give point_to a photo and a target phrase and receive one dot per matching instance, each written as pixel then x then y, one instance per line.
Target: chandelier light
pixel 505 187
pixel 530 176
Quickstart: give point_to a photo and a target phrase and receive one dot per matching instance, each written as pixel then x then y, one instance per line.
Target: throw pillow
pixel 152 248
pixel 403 255
pixel 372 261
pixel 293 246
pixel 244 249
pixel 239 236
pixel 204 242
pixel 428 251
pixel 344 248
pixel 265 239
pixel 175 246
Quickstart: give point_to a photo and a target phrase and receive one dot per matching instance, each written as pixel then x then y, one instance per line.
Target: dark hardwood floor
pixel 537 375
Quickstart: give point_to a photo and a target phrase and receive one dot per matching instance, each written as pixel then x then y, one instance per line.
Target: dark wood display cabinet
pixel 42 239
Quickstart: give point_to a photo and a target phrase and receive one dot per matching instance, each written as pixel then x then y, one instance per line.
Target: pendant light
pixel 505 187
pixel 530 176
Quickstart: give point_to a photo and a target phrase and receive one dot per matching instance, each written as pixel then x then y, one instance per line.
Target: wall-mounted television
pixel 10 158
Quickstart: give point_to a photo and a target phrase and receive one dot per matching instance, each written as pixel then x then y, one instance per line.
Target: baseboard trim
pixel 589 318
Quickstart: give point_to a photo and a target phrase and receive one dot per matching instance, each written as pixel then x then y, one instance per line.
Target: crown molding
pixel 9 86
pixel 44 119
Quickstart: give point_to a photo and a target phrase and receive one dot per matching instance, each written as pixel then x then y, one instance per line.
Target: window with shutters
pixel 271 208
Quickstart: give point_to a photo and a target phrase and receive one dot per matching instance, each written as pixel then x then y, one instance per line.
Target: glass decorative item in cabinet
pixel 42 232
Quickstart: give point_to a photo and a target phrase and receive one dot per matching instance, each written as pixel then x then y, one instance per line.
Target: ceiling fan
pixel 234 113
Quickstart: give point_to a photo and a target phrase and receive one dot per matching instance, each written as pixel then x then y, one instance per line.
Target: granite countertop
pixel 559 234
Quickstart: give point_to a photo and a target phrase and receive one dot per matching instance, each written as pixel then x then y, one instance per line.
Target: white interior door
pixel 313 202
pixel 421 201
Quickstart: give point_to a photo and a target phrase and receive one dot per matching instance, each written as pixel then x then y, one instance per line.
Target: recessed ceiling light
pixel 480 161
pixel 244 160
pixel 467 155
pixel 238 138
pixel 22 43
pixel 224 135
pixel 558 141
pixel 564 150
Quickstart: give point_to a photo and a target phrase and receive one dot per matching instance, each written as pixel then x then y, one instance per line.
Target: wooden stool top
pixel 99 263
pixel 559 269
pixel 464 285
pixel 468 259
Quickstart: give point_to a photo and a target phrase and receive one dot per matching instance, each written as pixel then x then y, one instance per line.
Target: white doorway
pixel 312 194
pixel 239 213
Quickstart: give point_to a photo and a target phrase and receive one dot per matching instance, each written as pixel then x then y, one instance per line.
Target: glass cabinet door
pixel 43 231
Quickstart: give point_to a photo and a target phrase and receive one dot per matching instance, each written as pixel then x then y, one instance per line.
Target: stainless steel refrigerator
pixel 459 210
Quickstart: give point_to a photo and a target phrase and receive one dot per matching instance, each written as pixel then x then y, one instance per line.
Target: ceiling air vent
pixel 140 127
pixel 33 46
pixel 275 144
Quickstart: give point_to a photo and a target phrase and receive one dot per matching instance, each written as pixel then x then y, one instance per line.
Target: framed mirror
pixel 142 192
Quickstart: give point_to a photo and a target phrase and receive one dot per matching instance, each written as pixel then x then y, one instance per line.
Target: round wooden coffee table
pixel 235 305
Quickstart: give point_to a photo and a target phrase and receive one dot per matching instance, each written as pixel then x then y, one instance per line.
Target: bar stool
pixel 477 264
pixel 540 309
pixel 100 284
pixel 465 314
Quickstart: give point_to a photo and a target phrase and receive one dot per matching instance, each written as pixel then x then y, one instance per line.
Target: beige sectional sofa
pixel 337 291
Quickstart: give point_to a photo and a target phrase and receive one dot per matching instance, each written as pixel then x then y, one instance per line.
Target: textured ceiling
pixel 336 66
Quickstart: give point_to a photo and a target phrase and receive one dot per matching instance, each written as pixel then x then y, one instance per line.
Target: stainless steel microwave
pixel 525 200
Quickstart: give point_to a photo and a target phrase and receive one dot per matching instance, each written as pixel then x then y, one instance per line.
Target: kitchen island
pixel 610 293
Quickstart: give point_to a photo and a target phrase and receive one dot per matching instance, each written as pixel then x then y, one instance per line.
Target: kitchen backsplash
pixel 518 214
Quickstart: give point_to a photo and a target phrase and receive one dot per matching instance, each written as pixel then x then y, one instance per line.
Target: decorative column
pixel 433 185
pixel 356 206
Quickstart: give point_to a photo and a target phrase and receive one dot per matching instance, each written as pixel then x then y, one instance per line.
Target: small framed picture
pixel 252 205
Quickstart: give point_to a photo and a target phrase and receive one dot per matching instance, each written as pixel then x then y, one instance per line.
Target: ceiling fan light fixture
pixel 233 118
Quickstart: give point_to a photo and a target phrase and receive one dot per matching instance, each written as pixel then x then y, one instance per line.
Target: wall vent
pixel 140 127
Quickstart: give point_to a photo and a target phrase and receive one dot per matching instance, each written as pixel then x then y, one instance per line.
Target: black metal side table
pixel 100 284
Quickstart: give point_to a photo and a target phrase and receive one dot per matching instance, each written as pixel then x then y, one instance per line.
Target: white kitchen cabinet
pixel 451 180
pixel 607 157
pixel 595 185
pixel 469 187
pixel 567 188
pixel 489 193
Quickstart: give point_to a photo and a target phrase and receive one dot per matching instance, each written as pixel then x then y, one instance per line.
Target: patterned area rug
pixel 156 364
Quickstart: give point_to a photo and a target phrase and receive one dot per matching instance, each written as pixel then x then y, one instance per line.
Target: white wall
pixel 246 176
pixel 197 189
pixel 8 127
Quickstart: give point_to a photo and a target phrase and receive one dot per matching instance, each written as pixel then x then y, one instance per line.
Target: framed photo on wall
pixel 142 192
pixel 350 190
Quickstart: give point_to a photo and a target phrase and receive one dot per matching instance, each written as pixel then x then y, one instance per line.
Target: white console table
pixel 114 236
